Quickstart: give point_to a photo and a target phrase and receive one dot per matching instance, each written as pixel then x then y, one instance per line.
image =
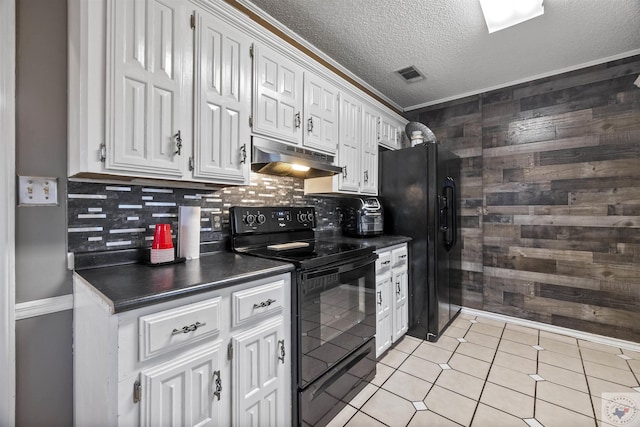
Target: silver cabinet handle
pixel 243 153
pixel 218 384
pixel 178 137
pixel 344 172
pixel 366 176
pixel 403 256
pixel 310 125
pixel 379 297
pixel 398 288
pixel 298 120
pixel 282 352
pixel 263 304
pixel 386 262
pixel 187 329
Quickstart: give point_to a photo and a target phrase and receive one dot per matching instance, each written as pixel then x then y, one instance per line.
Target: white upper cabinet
pixel 145 87
pixel 357 151
pixel 174 89
pixel 391 131
pixel 293 104
pixel 222 101
pixel 349 144
pixel 369 150
pixel 278 96
pixel 320 113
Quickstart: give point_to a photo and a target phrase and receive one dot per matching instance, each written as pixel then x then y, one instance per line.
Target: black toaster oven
pixel 363 217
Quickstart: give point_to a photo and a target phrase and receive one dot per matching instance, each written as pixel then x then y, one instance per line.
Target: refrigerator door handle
pixel 449 213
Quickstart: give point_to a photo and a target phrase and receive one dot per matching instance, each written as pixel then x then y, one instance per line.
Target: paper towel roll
pixel 189 232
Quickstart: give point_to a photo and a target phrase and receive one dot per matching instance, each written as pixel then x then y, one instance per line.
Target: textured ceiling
pixel 448 41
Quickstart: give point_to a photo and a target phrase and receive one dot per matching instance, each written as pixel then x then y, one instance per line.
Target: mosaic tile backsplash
pixel 108 217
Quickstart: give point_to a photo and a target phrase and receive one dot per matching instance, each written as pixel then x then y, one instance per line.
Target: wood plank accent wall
pixel 560 193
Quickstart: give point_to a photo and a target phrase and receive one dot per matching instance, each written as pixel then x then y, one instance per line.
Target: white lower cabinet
pixel 186 391
pixel 258 374
pixel 392 289
pixel 214 359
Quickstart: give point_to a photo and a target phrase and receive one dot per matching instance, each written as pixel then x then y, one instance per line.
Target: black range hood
pixel 275 158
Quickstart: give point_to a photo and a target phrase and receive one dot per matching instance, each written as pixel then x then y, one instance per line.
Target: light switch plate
pixel 37 191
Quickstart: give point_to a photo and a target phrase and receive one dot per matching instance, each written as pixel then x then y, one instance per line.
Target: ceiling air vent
pixel 411 74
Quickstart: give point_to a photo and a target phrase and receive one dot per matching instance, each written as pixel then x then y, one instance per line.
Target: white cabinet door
pixel 222 101
pixel 321 114
pixel 188 391
pixel 384 317
pixel 369 151
pixel 145 114
pixel 277 96
pixel 400 303
pixel 349 145
pixel 390 132
pixel 259 363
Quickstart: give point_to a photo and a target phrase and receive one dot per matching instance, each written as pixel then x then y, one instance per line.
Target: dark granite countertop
pixel 377 242
pixel 131 286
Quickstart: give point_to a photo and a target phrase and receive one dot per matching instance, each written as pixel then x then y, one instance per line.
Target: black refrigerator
pixel 420 196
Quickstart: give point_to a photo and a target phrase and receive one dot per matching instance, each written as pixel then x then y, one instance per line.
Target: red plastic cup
pixel 162 237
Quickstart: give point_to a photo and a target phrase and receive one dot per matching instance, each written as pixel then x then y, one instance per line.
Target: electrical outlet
pixel 216 222
pixel 38 191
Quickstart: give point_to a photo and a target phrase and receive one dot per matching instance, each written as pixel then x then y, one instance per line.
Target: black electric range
pixel 333 306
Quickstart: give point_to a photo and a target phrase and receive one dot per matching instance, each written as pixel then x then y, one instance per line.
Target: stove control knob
pixel 249 219
pixel 301 217
pixel 261 218
pixel 310 217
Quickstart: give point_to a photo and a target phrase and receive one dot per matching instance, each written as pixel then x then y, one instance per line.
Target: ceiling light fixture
pixel 500 14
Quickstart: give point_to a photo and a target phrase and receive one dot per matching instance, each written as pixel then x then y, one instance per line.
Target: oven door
pixel 337 314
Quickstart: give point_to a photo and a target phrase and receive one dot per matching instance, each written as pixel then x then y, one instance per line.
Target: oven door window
pixel 337 316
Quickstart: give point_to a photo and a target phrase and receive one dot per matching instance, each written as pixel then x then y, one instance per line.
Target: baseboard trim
pixel 40 307
pixel 600 339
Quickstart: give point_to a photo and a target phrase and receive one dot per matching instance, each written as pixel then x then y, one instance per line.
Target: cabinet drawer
pixel 383 263
pixel 258 301
pixel 170 329
pixel 399 256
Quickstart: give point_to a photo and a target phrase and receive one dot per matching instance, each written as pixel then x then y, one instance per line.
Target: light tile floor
pixel 482 372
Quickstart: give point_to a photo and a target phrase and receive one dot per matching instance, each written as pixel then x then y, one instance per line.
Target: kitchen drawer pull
pixel 403 256
pixel 187 329
pixel 386 262
pixel 379 297
pixel 263 304
pixel 298 120
pixel 218 383
pixel 282 352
